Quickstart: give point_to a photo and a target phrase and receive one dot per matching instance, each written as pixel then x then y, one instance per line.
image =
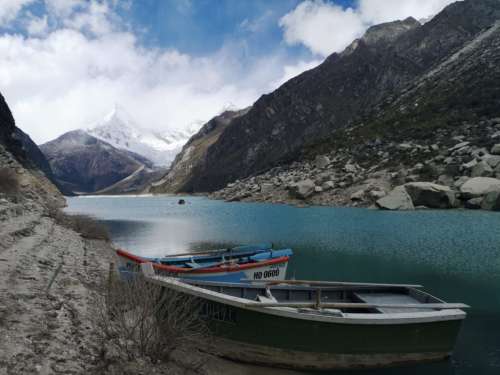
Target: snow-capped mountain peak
pixel 120 129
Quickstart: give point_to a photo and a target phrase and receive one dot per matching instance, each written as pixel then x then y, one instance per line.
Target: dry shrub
pixel 142 320
pixel 85 225
pixel 9 183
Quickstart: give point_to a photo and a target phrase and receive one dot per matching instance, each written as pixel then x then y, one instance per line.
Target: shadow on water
pixel 454 254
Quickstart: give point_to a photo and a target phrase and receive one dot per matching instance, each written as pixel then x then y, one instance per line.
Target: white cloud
pixel 69 79
pixel 378 11
pixel 325 28
pixel 79 59
pixel 37 25
pixel 64 8
pixel 95 19
pixel 9 10
pixel 322 27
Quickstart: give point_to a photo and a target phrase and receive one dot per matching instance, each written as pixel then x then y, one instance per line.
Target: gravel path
pixel 41 332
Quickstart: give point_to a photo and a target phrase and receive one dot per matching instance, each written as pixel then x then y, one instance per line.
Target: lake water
pixel 454 254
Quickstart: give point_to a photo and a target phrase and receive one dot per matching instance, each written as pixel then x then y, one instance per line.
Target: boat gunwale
pixel 217 269
pixel 346 318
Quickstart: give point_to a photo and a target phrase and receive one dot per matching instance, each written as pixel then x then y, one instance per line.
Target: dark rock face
pixel 381 80
pixel 82 163
pixel 22 157
pixel 33 152
pixel 21 146
pixel 37 158
pixel 7 132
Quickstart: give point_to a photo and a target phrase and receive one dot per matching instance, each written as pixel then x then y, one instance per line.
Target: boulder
pixel 458 146
pixel 418 167
pixel 492 160
pixel 404 146
pixel 430 195
pixel 452 169
pixel 321 161
pixel 474 203
pixel 302 189
pixel 358 195
pixel 495 150
pixel 397 199
pixel 491 201
pixel 479 186
pixel 323 177
pixel 469 165
pixel 266 188
pixel 350 168
pixel 377 194
pixel 460 181
pixel 446 180
pixel 328 185
pixel 481 169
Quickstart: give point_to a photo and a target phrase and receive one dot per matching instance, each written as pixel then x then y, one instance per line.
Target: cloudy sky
pixel 65 63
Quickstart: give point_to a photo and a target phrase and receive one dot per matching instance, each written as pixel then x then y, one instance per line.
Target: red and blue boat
pixel 237 264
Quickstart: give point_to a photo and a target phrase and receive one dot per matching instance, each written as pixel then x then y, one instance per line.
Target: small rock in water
pixel 181 201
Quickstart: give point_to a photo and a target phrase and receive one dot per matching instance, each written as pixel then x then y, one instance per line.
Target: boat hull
pixel 274 340
pixel 273 269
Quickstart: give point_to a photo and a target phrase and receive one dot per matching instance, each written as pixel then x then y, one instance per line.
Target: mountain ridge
pixel 345 90
pixel 119 129
pixel 85 164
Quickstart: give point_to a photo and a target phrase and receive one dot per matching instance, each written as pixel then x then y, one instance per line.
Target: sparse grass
pixel 85 225
pixel 9 182
pixel 136 319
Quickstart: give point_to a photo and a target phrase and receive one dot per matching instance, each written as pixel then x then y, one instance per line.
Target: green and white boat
pixel 323 325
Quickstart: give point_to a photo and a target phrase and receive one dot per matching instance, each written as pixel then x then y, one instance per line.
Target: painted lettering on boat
pixel 273 271
pixel 266 274
pixel 217 311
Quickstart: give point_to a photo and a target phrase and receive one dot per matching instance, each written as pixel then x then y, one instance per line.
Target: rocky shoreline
pixel 459 167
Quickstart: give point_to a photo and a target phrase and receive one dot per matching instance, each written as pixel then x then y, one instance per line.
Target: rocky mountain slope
pixel 85 164
pixel 396 80
pixel 437 144
pixel 21 157
pixel 120 130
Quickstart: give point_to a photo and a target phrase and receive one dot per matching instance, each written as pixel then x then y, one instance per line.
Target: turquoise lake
pixel 454 254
